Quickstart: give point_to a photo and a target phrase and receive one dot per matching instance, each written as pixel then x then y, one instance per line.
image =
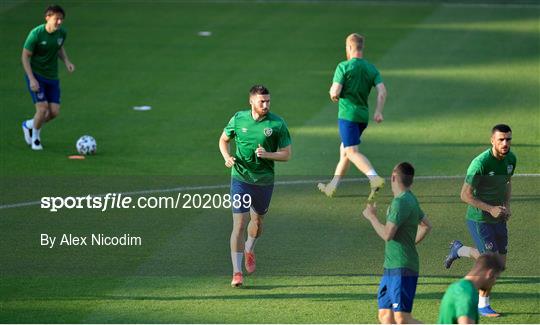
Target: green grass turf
pixel 319 261
pixel 452 72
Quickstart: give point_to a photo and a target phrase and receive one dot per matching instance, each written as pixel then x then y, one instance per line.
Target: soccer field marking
pixel 222 186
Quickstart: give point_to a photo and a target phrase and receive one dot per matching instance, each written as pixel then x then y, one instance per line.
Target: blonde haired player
pixel 352 83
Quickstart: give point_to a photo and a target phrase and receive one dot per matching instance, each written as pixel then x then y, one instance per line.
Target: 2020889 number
pixel 215 201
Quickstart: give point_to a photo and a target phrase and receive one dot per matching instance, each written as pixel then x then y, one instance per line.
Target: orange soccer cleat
pixel 250 262
pixel 237 280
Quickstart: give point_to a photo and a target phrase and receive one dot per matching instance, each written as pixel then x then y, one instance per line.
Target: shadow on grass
pixel 309 296
pixel 292 286
pixel 421 279
pixel 453 198
pixel 527 313
pixel 245 294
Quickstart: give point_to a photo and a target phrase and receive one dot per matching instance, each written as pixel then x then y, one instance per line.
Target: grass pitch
pixel 452 72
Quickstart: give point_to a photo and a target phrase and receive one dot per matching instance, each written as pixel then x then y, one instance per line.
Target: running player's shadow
pixel 281 286
pixel 523 313
pixel 313 296
pixel 363 196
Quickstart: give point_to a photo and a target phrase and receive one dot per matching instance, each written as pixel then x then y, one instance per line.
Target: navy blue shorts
pixel 49 90
pixel 489 237
pixel 260 196
pixel 350 132
pixel 397 289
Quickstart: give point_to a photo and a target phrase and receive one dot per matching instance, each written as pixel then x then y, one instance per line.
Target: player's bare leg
pixel 237 246
pixel 54 110
pixel 484 305
pixel 386 316
pixel 341 169
pixel 362 163
pixel 458 250
pixel 254 230
pixel 358 159
pixel 40 117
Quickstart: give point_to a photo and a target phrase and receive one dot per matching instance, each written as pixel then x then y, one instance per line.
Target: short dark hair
pixel 55 9
pixel 501 128
pixel 489 261
pixel 259 90
pixel 405 172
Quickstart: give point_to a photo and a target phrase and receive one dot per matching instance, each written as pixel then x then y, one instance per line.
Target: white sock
pixel 464 251
pixel 35 134
pixel 335 181
pixel 236 258
pixel 29 123
pixel 483 301
pixel 371 174
pixel 250 244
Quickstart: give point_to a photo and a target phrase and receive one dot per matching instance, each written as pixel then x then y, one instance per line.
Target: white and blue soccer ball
pixel 86 145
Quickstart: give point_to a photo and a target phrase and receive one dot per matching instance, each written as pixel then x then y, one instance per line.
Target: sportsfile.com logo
pixel 121 201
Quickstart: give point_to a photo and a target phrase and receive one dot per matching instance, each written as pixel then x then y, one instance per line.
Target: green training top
pixel 44 47
pixel 460 299
pixel 489 176
pixel 271 133
pixel 400 251
pixel 357 76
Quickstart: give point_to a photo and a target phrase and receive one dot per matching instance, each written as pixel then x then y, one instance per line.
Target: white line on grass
pixel 217 187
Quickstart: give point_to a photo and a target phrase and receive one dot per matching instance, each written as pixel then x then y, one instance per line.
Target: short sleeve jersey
pixel 460 299
pixel 489 177
pixel 406 214
pixel 271 133
pixel 357 76
pixel 44 47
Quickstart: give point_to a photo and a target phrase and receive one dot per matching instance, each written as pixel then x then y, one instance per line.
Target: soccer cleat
pixel 376 183
pixel 36 145
pixel 327 189
pixel 453 255
pixel 250 262
pixel 488 312
pixel 27 133
pixel 237 280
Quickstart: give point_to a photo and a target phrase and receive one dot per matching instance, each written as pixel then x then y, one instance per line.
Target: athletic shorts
pixel 489 237
pixel 260 196
pixel 49 90
pixel 397 289
pixel 350 132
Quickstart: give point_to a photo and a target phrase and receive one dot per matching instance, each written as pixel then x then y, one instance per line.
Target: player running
pixel 261 138
pixel 460 302
pixel 406 226
pixel 353 80
pixel 43 46
pixel 487 190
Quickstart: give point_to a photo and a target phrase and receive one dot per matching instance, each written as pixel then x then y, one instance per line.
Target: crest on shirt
pixel 244 130
pixel 59 41
pixel 491 173
pixel 268 132
pixel 489 246
pixel 509 169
